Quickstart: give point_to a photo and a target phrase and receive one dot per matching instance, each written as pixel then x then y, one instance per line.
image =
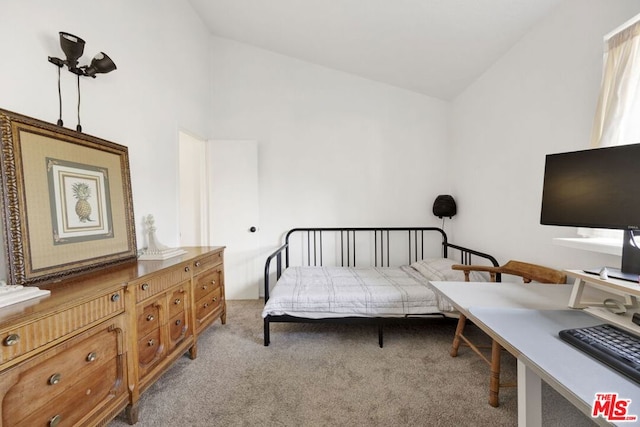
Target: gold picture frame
pixel 67 202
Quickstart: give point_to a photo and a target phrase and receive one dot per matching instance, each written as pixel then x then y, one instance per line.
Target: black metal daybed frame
pixel 347 255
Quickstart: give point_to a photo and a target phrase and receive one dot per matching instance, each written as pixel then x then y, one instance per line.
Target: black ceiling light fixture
pixel 73 48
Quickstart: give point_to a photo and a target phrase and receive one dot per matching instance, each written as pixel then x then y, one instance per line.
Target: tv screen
pixel 597 188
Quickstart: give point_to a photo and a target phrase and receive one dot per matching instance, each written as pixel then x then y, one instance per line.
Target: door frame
pixel 193 190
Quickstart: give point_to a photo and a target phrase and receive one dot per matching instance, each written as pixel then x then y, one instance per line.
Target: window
pixel 616 120
pixel 618 109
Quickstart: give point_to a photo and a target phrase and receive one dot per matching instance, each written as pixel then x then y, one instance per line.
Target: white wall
pixel 161 85
pixel 334 149
pixel 539 98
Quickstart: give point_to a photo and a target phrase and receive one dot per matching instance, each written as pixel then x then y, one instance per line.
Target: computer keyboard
pixel 611 345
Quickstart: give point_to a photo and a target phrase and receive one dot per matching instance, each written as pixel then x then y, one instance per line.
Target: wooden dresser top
pixel 76 290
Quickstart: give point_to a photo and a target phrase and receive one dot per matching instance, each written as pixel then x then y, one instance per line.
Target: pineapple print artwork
pixel 82 193
pixel 80 202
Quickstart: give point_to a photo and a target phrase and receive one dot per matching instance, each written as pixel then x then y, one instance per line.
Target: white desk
pixel 525 320
pixel 486 294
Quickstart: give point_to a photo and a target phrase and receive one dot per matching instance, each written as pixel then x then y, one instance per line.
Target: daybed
pixel 361 275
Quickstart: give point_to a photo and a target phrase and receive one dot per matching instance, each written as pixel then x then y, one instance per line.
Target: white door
pixel 233 205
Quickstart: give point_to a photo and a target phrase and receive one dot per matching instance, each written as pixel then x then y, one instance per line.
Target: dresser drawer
pixel 150 351
pixel 162 281
pixel 207 282
pixel 148 318
pixel 209 261
pixel 69 408
pixel 178 329
pixel 62 372
pixel 177 300
pixel 208 304
pixel 23 339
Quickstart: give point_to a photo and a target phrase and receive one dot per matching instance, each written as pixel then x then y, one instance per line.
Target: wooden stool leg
pixel 494 382
pixel 462 320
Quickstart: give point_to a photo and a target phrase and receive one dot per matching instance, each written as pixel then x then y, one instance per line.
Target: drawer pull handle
pixel 91 356
pixel 206 304
pixel 215 299
pixel 213 282
pixel 178 322
pixel 177 301
pixel 204 287
pixel 12 339
pixel 151 343
pixel 187 269
pixel 54 421
pixel 144 286
pixel 150 318
pixel 197 263
pixel 54 379
pixel 115 297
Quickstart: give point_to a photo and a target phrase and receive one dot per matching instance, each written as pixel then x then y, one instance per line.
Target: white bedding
pixel 334 292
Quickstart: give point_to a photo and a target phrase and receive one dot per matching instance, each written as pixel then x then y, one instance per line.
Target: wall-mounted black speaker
pixel 444 205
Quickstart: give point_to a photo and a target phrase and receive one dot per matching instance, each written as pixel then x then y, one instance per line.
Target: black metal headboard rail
pixel 348 244
pixel 345 244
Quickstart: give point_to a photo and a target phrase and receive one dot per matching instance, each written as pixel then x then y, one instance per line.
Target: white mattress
pixel 334 292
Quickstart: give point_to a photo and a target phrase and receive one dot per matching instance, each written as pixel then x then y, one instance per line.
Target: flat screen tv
pixel 597 188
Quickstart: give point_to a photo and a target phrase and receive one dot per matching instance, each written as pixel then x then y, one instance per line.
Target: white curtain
pixel 617 119
pixel 618 110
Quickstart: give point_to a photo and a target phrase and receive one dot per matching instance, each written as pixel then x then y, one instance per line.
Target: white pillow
pixel 440 269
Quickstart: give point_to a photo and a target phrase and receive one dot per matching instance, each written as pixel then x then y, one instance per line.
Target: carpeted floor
pixel 334 375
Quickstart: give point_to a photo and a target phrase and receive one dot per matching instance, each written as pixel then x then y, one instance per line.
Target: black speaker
pixel 444 205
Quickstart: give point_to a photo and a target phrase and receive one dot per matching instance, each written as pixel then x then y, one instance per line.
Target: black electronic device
pixel 597 188
pixel 610 345
pixel 444 205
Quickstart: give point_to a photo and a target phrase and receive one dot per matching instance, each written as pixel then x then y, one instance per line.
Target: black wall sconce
pixel 73 48
pixel 444 205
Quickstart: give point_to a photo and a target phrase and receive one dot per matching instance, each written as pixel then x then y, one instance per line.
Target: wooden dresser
pixel 86 352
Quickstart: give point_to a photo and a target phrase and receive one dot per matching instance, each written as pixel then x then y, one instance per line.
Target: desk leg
pixel 494 382
pixel 529 397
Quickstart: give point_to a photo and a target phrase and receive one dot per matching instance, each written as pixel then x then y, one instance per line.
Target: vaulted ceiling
pixel 434 47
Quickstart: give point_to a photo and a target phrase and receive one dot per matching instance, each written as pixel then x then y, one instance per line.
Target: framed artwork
pixel 67 203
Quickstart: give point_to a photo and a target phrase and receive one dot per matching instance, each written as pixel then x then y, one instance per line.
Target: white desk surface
pixel 505 294
pixel 525 319
pixel 570 371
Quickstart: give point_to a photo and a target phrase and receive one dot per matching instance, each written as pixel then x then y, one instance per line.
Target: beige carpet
pixel 333 375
